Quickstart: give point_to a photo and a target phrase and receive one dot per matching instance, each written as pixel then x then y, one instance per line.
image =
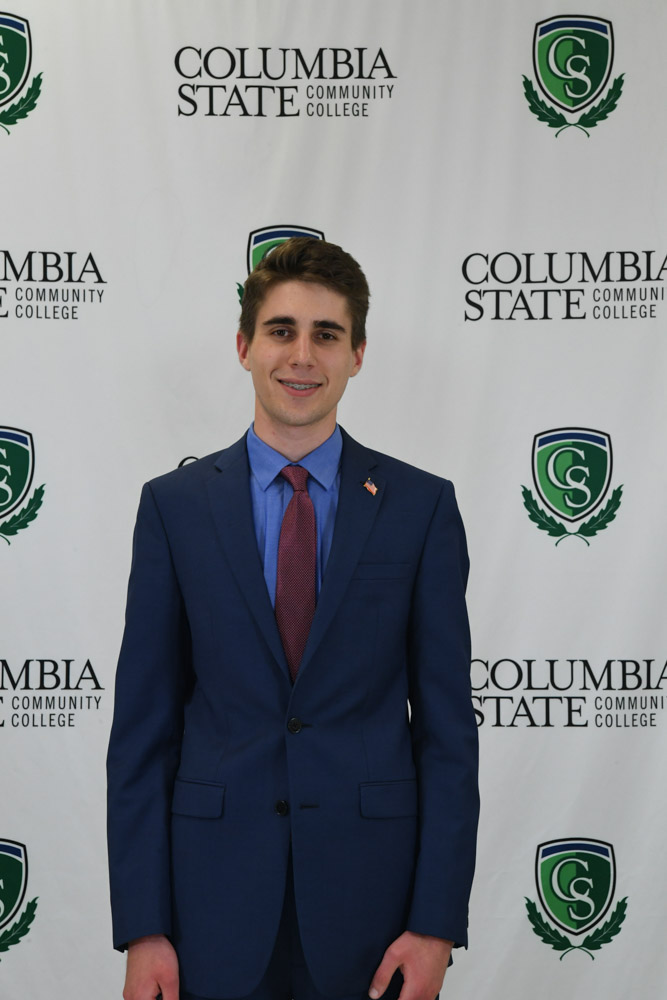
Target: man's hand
pixel 422 960
pixel 152 968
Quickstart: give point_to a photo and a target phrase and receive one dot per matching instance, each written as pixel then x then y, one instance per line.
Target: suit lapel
pixel 357 510
pixel 231 507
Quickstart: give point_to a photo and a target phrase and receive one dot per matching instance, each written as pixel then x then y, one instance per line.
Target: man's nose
pixel 302 350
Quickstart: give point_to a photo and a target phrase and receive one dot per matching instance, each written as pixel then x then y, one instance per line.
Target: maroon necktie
pixel 297 558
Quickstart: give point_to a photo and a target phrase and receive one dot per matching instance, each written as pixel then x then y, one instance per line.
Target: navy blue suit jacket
pixel 211 739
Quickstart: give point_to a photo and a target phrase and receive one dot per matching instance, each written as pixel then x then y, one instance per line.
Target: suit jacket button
pixel 294 725
pixel 282 807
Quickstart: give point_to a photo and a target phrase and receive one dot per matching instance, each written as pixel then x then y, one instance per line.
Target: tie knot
pixel 296 476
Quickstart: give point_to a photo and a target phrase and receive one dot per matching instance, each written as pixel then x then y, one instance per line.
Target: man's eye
pixel 327 335
pixel 280 332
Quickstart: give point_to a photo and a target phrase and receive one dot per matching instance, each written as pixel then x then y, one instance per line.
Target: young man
pixel 279 824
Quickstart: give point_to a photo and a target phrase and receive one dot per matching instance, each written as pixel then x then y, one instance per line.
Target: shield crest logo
pixel 262 241
pixel 572 470
pixel 573 56
pixel 13 878
pixel 15 55
pixel 17 464
pixel 576 879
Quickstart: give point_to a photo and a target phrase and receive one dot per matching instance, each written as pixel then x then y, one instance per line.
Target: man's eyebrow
pixel 329 324
pixel 284 320
pixel 320 324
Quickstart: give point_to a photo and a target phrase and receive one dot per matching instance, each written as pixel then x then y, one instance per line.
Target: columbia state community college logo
pixel 572 473
pixel 15 62
pixel 17 464
pixel 262 241
pixel 572 58
pixel 576 880
pixel 13 885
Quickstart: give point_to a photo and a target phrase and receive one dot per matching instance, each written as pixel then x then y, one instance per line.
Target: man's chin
pixel 298 417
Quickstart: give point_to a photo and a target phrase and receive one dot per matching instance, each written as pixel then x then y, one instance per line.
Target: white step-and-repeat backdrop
pixel 498 169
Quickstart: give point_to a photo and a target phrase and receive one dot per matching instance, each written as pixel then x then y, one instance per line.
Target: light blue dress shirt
pixel 271 494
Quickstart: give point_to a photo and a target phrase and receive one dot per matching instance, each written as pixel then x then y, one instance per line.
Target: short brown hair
pixel 304 258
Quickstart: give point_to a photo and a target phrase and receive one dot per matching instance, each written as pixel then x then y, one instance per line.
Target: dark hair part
pixel 304 258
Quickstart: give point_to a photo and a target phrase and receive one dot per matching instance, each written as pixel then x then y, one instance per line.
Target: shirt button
pixel 294 725
pixel 282 807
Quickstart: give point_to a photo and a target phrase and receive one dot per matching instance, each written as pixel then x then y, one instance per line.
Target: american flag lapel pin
pixel 370 486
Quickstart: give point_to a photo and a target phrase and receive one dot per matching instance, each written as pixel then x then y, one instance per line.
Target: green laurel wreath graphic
pixel 239 291
pixel 609 930
pixel 544 930
pixel 544 112
pixel 540 517
pixel 585 531
pixel 24 106
pixel 14 934
pixel 604 517
pixel 24 517
pixel 592 942
pixel 589 119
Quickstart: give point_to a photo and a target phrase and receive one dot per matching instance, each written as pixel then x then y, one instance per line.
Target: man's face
pixel 300 357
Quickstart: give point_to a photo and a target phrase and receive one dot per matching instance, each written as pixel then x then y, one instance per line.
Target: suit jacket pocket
pixel 197 798
pixel 384 799
pixel 382 571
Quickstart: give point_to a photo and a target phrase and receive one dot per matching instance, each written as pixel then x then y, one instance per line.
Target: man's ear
pixel 358 357
pixel 242 346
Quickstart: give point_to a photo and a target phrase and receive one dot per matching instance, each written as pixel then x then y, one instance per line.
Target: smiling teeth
pixel 299 385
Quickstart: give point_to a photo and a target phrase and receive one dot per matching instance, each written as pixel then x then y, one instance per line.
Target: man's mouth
pixel 299 386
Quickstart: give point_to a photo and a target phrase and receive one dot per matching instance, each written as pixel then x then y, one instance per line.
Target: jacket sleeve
pixel 444 730
pixel 144 748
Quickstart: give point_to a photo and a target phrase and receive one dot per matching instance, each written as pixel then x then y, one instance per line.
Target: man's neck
pixel 294 442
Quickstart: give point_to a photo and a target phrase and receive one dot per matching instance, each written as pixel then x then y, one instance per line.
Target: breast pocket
pixel 382 571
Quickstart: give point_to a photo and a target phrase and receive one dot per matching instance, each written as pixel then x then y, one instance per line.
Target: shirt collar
pixel 322 463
